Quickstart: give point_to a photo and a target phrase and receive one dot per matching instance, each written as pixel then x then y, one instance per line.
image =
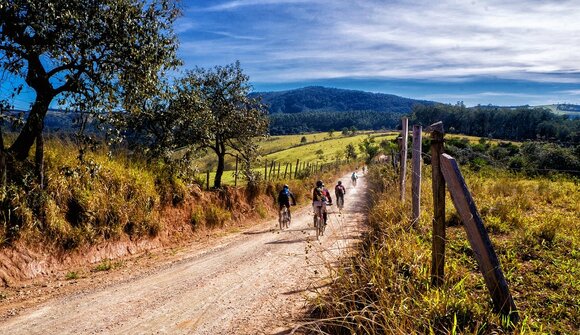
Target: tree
pixel 331 133
pixel 350 152
pixel 227 120
pixel 91 55
pixel 320 154
pixel 303 139
pixel 369 148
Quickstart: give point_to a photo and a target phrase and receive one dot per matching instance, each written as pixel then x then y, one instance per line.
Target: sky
pixel 479 52
pixel 499 52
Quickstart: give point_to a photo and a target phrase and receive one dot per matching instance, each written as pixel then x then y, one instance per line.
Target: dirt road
pixel 254 282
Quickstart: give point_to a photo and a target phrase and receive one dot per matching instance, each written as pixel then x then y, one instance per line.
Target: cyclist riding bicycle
pixel 284 200
pixel 321 197
pixel 354 177
pixel 339 192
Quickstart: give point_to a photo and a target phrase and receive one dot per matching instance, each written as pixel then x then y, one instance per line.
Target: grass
pixel 114 197
pixel 288 149
pixel 71 275
pixel 107 265
pixel 385 288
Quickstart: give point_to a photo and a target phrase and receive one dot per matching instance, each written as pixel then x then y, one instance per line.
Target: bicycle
pixel 340 202
pixel 284 218
pixel 319 222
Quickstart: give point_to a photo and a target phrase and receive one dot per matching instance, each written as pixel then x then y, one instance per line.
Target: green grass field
pixel 288 149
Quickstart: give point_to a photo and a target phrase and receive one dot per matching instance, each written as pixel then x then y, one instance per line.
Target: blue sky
pixel 479 52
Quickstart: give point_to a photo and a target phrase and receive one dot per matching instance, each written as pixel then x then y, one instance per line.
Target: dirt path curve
pixel 253 283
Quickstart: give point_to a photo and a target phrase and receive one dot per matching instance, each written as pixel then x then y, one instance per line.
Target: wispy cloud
pixel 531 40
pixel 231 5
pixel 300 41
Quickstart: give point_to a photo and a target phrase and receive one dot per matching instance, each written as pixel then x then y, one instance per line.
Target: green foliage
pixel 350 152
pixel 216 217
pixel 85 54
pixel 385 288
pixel 295 123
pixel 71 275
pixel 320 154
pixel 530 157
pixel 317 98
pixel 105 265
pixel 369 148
pixel 502 123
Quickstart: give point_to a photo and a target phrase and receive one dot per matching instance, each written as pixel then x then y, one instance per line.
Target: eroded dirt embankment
pixel 23 262
pixel 251 282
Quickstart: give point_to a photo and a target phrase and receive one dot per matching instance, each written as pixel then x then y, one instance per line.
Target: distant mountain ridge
pixel 324 99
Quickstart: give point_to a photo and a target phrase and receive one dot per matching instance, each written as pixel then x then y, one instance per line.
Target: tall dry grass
pixel 385 288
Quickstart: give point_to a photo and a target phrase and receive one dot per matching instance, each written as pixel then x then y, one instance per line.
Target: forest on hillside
pixel 518 124
pixel 316 98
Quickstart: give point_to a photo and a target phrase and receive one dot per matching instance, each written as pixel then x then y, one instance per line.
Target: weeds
pixel 385 288
pixel 71 275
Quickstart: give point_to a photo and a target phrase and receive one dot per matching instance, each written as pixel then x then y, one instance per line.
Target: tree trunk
pixel 221 153
pixel 32 129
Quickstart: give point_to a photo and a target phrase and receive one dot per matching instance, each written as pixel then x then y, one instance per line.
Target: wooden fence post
pixel 478 239
pixel 403 174
pixel 236 175
pixel 416 182
pixel 296 170
pixel 438 186
pixel 285 170
pixel 265 169
pixel 272 169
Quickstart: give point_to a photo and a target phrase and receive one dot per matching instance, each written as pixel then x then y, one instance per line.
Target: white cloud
pixel 231 5
pixel 531 40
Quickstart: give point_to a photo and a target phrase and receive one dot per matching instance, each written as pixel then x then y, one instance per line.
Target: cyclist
pixel 354 177
pixel 320 197
pixel 284 200
pixel 339 192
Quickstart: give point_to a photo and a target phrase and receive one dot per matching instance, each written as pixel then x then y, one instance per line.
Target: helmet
pixel 340 182
pixel 319 183
pixel 286 186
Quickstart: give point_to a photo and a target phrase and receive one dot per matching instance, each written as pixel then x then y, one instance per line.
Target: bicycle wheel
pixel 281 220
pixel 317 225
pixel 286 218
pixel 340 202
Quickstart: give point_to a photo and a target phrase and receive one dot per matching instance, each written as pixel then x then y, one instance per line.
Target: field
pixel 289 148
pixel 533 224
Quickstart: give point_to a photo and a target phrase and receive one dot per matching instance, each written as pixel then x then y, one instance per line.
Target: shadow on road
pixel 258 232
pixel 298 240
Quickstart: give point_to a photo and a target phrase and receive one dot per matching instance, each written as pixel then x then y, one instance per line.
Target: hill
pixel 316 108
pixel 317 98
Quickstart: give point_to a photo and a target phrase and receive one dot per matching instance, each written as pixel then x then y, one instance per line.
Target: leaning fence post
pixel 478 239
pixel 207 180
pixel 405 137
pixel 285 170
pixel 278 176
pixel 272 169
pixel 416 182
pixel 438 185
pixel 296 169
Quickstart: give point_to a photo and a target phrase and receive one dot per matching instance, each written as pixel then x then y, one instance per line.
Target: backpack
pixel 339 190
pixel 319 194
